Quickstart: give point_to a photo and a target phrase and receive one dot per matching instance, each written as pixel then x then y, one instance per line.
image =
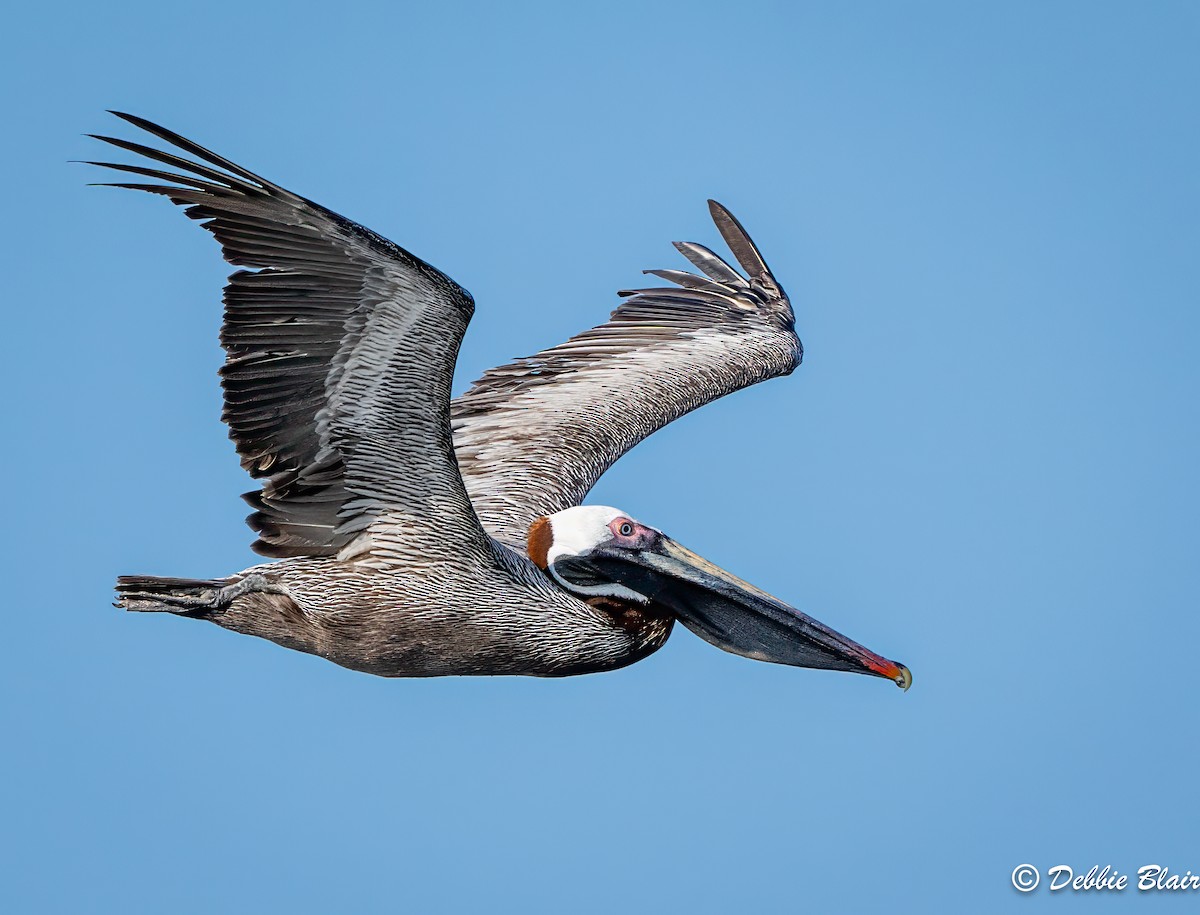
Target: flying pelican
pixel 419 536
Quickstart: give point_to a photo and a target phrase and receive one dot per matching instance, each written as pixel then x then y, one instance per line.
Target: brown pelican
pixel 419 536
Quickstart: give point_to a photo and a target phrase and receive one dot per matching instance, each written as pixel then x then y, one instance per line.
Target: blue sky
pixel 986 218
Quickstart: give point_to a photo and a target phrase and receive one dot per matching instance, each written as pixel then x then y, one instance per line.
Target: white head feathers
pixel 575 532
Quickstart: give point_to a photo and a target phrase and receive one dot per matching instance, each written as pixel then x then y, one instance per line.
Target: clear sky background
pixel 986 218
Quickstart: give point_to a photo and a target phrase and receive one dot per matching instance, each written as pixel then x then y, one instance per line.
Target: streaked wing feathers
pixel 532 437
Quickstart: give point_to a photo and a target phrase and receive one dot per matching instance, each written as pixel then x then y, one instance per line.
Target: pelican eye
pixel 626 529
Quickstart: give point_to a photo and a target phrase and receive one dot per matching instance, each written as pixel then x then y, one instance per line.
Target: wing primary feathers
pixel 739 241
pixel 174 161
pixel 165 190
pixel 189 180
pixel 710 263
pixel 195 149
pixel 680 277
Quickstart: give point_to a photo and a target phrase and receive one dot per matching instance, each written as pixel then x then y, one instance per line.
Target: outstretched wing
pixel 534 436
pixel 340 347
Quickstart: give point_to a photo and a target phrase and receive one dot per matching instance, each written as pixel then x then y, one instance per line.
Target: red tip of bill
pixel 897 673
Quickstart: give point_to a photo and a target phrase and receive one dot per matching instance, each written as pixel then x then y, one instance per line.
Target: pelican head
pixel 599 551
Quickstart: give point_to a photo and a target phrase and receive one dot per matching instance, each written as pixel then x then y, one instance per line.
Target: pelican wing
pixel 534 436
pixel 340 347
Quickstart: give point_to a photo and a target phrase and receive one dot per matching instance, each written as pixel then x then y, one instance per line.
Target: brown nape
pixel 540 538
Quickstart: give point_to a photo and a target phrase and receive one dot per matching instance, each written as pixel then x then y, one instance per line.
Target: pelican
pixel 414 535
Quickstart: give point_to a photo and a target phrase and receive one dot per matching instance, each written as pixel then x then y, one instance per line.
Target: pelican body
pixel 412 535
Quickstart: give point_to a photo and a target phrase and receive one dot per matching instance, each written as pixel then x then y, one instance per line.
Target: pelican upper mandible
pixel 419 536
